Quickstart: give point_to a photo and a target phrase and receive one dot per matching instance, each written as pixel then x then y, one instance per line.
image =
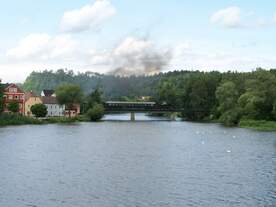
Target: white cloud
pixel 197 58
pixel 229 17
pixel 43 47
pixel 87 17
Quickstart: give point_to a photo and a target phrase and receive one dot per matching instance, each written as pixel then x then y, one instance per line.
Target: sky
pixel 138 37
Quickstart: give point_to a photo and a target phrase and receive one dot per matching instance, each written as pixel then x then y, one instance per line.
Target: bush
pixel 231 117
pixel 13 107
pixel 96 112
pixel 60 120
pixel 39 110
pixel 16 119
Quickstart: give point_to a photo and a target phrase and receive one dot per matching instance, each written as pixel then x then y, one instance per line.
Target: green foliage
pixel 227 95
pixel 96 112
pixel 113 86
pixel 69 94
pixel 95 97
pixel 261 125
pixel 39 110
pixel 203 95
pixel 259 97
pixel 1 97
pixel 13 107
pixel 231 117
pixel 16 119
pixel 60 120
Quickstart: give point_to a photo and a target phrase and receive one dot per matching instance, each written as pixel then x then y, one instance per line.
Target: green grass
pixel 16 119
pixel 260 125
pixel 7 119
pixel 64 120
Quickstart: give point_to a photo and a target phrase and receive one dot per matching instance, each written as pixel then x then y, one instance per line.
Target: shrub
pixel 96 112
pixel 13 107
pixel 231 117
pixel 16 119
pixel 39 110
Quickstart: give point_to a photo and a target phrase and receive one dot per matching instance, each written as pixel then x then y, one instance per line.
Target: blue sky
pixel 103 35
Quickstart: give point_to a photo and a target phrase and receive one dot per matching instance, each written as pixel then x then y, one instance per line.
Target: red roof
pixel 12 85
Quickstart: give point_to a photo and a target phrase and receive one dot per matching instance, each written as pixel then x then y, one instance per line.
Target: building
pixel 12 93
pixel 30 100
pixel 74 111
pixel 48 93
pixel 53 107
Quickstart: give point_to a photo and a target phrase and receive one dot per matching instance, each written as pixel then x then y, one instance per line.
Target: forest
pixel 229 97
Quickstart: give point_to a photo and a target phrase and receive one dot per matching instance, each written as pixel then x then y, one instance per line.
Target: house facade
pixel 30 100
pixel 74 111
pixel 53 107
pixel 12 93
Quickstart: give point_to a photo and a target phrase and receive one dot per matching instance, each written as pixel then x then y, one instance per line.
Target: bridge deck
pixel 117 106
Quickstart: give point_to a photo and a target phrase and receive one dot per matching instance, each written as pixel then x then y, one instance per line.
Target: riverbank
pixel 260 125
pixel 16 119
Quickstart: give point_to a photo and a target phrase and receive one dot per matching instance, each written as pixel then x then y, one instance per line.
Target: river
pixel 147 163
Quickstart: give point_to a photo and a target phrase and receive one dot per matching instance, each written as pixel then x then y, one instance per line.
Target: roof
pixel 29 95
pixel 48 93
pixel 9 85
pixel 126 102
pixel 49 100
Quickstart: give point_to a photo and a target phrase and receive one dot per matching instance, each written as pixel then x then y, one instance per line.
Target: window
pixel 10 97
pixel 16 97
pixel 13 90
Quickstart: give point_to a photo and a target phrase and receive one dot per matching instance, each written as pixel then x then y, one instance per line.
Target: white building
pixel 53 108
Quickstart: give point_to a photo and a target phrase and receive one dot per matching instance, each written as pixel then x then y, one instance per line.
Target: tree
pixel 231 117
pixel 13 107
pixel 96 112
pixel 1 97
pixel 95 97
pixel 257 102
pixel 227 95
pixel 69 95
pixel 39 110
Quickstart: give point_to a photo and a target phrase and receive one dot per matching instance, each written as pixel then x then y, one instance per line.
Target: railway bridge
pixel 138 107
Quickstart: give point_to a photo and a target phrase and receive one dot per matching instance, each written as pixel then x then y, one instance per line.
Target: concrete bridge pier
pixel 132 116
pixel 173 116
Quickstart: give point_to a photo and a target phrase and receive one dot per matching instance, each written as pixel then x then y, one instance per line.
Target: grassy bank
pixel 64 120
pixel 16 119
pixel 7 119
pixel 261 125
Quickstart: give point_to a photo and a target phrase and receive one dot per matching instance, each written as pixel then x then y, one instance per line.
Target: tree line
pixel 226 97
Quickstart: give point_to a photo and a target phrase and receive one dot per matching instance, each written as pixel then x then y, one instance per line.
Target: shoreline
pixel 17 120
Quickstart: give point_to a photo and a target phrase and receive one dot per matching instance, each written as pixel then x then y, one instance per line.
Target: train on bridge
pixel 122 106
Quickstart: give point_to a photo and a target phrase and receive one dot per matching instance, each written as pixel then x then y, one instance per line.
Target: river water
pixel 146 163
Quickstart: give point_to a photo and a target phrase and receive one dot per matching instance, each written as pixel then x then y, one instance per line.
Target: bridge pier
pixel 132 116
pixel 173 116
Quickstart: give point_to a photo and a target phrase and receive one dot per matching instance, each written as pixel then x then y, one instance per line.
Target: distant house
pixel 48 93
pixel 53 108
pixel 30 100
pixel 12 93
pixel 74 111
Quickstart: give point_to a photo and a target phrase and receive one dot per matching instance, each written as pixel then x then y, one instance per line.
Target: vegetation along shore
pixel 244 99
